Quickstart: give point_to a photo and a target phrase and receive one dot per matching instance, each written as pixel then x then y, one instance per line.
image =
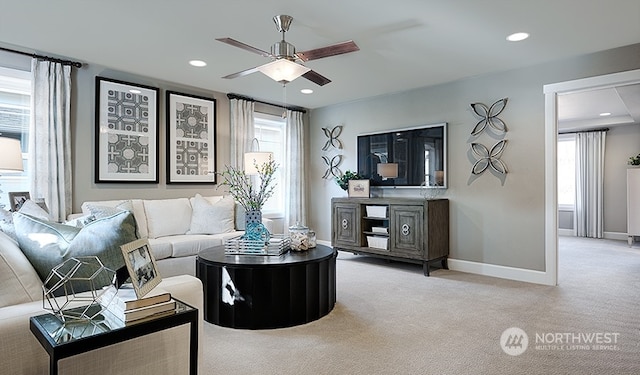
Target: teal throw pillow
pixel 47 244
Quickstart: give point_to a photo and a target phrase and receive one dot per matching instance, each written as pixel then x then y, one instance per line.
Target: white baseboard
pixel 565 232
pixel 511 273
pixel 608 235
pixel 503 272
pixel 615 236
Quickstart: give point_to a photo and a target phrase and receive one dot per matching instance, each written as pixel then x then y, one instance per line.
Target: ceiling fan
pixel 286 64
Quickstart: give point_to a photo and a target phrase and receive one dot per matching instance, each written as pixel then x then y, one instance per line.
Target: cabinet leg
pixel 445 265
pixel 425 268
pixel 630 240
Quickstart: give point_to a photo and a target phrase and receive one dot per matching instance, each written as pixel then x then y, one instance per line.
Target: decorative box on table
pixel 275 245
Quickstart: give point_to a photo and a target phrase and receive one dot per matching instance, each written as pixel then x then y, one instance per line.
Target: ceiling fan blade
pixel 332 50
pixel 242 73
pixel 244 46
pixel 316 78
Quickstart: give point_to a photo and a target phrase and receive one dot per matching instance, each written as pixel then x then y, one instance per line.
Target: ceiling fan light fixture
pixel 283 70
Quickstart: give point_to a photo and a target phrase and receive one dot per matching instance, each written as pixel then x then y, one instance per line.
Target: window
pixel 269 131
pixel 15 115
pixel 567 171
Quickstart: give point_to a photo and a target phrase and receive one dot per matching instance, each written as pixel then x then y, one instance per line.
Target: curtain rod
pixel 61 61
pixel 291 108
pixel 583 131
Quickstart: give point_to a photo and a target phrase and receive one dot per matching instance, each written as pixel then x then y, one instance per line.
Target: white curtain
pixel 50 137
pixel 294 178
pixel 242 130
pixel 589 213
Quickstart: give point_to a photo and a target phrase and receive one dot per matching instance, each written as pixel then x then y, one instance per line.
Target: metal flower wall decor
pixel 332 162
pixel 333 140
pixel 489 158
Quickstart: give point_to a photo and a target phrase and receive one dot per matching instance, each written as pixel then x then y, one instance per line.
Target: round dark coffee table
pixel 261 292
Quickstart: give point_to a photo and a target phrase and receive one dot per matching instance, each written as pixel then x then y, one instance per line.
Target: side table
pixel 66 339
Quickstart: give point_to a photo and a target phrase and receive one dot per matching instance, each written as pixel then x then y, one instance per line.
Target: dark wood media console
pixel 403 229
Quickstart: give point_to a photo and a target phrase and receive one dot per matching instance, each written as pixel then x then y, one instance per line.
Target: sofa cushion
pixel 47 244
pixel 192 244
pixel 166 217
pixel 212 218
pixel 138 212
pixel 160 248
pixel 20 282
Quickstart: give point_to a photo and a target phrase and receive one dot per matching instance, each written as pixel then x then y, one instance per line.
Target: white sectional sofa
pixel 179 228
pixel 21 297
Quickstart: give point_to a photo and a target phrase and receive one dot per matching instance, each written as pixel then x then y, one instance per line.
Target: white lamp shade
pixel 10 155
pixel 388 170
pixel 256 158
pixel 283 70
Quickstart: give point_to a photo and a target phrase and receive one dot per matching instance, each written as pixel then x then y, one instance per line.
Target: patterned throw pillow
pixel 47 244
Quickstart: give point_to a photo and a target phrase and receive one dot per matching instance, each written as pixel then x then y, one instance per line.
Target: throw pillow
pixel 81 221
pixel 47 244
pixel 212 218
pixel 167 217
pixel 31 208
pixel 99 212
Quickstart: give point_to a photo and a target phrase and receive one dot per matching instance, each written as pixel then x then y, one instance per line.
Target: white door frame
pixel 551 92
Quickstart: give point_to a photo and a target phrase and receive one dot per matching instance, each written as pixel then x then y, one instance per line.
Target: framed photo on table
pixel 358 188
pixel 141 266
pixel 126 134
pixel 17 199
pixel 191 139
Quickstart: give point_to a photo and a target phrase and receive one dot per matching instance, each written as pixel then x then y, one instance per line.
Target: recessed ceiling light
pixel 516 37
pixel 135 91
pixel 605 114
pixel 306 91
pixel 197 63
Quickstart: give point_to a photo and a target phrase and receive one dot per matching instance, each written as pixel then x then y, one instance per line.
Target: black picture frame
pixel 126 132
pixel 191 138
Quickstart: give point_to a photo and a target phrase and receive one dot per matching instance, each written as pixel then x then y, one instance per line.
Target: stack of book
pixel 126 306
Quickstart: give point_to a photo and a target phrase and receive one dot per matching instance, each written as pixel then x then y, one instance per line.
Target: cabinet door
pixel 346 225
pixel 406 233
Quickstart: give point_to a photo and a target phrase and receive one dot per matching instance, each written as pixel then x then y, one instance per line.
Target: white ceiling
pixel 404 44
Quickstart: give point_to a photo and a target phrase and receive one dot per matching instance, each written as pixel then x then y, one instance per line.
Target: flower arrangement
pixel 634 160
pixel 244 191
pixel 343 181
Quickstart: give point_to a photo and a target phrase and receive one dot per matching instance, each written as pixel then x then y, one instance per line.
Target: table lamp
pixel 255 159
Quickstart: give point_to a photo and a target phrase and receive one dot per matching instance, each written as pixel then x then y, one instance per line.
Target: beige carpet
pixel 390 319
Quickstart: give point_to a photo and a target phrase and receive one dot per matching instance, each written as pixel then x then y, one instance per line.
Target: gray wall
pixel 83 123
pixel 491 222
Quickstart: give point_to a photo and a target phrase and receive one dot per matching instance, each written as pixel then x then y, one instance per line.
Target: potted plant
pixel 343 181
pixel 634 160
pixel 251 197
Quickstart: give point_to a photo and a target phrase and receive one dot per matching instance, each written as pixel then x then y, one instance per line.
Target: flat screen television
pixel 420 153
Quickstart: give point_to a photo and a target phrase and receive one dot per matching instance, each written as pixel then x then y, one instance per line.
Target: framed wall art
pixel 191 139
pixel 126 141
pixel 141 266
pixel 358 189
